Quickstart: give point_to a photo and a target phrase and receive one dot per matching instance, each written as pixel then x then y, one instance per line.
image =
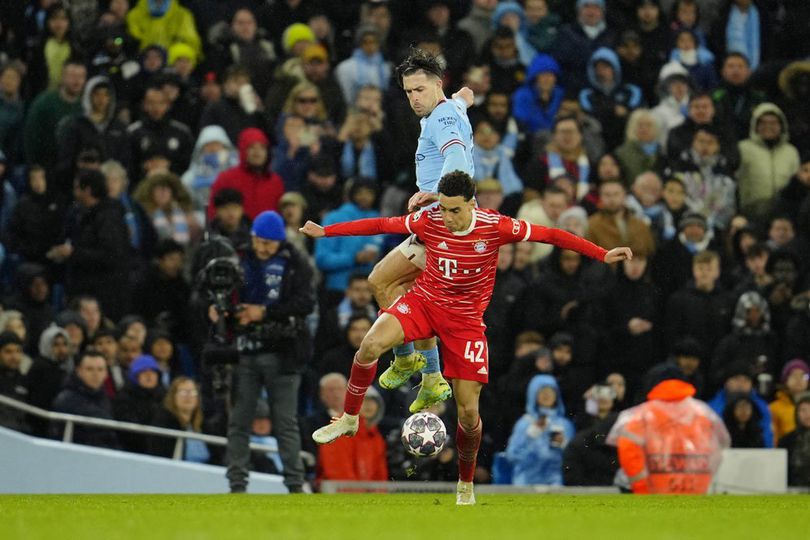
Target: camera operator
pixel 271 337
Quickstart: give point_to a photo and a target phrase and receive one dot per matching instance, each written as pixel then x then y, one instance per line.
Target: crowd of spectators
pixel 133 130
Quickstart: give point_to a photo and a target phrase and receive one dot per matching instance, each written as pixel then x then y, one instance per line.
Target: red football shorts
pixel 462 341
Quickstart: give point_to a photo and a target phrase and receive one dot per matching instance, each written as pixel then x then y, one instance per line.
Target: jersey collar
pixel 470 228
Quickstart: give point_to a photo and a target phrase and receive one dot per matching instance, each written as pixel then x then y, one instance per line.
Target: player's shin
pixel 467 443
pixel 431 361
pixel 403 354
pixel 361 377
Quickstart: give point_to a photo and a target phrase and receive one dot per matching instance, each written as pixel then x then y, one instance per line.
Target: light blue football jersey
pixel 445 126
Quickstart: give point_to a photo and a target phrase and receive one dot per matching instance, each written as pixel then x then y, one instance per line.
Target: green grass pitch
pixel 381 517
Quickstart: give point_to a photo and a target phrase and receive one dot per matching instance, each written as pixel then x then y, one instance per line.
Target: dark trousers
pixel 252 373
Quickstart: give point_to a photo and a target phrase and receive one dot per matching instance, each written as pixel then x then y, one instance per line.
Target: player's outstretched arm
pixel 359 227
pixel 618 254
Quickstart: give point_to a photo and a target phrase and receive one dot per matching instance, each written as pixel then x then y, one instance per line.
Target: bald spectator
pixel 544 211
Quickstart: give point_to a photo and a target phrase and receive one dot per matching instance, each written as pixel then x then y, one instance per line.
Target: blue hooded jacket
pixel 525 50
pixel 526 106
pixel 534 459
pixel 718 404
pixel 628 95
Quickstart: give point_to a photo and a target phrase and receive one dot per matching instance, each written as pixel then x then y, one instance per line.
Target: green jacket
pixel 39 135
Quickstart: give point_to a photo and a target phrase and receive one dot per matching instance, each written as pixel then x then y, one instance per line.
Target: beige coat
pixel 763 170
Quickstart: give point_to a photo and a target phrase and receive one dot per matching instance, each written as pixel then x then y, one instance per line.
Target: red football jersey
pixel 460 266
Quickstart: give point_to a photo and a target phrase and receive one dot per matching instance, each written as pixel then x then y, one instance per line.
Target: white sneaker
pixel 346 425
pixel 465 496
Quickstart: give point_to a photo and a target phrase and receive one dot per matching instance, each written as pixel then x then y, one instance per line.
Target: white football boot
pixel 346 426
pixel 465 496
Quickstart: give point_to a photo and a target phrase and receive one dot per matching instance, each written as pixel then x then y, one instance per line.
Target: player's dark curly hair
pixel 419 60
pixel 457 183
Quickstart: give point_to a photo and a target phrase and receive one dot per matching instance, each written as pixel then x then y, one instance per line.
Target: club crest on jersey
pixel 404 308
pixel 480 246
pixel 515 226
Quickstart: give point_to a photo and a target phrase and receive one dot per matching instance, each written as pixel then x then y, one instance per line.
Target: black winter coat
pixel 12 384
pixel 78 398
pixel 588 460
pixel 156 295
pixel 44 380
pixel 35 226
pixel 99 263
pixel 138 405
pixel 167 137
pixel 706 316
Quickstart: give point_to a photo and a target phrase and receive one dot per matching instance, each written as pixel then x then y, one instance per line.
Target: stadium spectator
pixel 577 41
pixel 32 300
pixel 794 383
pixel 244 43
pixel 796 443
pixel 331 393
pixel 160 345
pixel 674 91
pixel 181 411
pixel 46 112
pixel 742 422
pixel 365 66
pixel 796 91
pixel 538 439
pixel 96 127
pixel 510 15
pixel 365 152
pixel 454 41
pixel 701 111
pixel 613 224
pixel 12 381
pixel 697 59
pixel 84 395
pixel 260 188
pixel 739 379
pixel 230 220
pixel 492 159
pixel 742 28
pixel 362 457
pixel 13 321
pixel 538 100
pixel 506 68
pixel 564 155
pixel 90 311
pixel 12 107
pixel 105 343
pixel 701 308
pixel 588 460
pixel 340 257
pixel 545 211
pixel 74 325
pixel 792 197
pixel 672 264
pixel 646 202
pixel 156 135
pixel 357 300
pixel 478 23
pixel 685 357
pixel 48 374
pixel 736 97
pixel 239 108
pixel 653 36
pixel 633 315
pixel 139 400
pixel 768 160
pixel 293 206
pixel 163 23
pixel 338 358
pixel 142 235
pixel 641 152
pixel 169 206
pixel 213 153
pixel 710 189
pixel 162 294
pixel 50 51
pixel 97 245
pixel 261 432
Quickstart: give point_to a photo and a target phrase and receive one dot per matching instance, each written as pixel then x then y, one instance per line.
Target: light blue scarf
pixel 743 34
pixel 370 70
pixel 364 165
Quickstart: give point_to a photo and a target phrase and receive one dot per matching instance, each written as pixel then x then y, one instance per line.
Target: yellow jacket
pixel 783 415
pixel 176 26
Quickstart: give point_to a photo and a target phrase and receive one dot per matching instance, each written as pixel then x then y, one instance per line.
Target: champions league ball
pixel 424 434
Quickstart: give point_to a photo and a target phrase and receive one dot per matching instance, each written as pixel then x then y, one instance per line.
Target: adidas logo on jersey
pixel 443 245
pixel 482 371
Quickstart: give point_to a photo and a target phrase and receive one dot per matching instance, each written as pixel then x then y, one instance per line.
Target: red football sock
pixel 467 443
pixel 361 378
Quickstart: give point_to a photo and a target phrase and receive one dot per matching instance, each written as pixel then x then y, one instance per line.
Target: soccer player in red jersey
pixel 447 301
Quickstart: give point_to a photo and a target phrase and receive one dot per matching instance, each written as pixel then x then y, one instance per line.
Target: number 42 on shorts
pixel 474 351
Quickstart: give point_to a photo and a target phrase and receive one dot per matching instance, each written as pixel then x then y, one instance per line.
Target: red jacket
pixel 261 189
pixel 362 457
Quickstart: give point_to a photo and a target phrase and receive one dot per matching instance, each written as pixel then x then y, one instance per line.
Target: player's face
pixel 456 212
pixel 423 91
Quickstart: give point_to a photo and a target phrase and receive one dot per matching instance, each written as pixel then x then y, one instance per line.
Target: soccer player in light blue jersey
pixel 445 145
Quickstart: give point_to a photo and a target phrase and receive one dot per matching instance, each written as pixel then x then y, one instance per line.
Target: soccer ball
pixel 424 434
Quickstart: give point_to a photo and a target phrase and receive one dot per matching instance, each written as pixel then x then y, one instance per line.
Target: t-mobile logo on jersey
pixel 448 266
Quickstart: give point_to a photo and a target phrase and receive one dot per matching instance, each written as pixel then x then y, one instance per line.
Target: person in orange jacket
pixel 671 443
pixel 362 457
pixel 795 378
